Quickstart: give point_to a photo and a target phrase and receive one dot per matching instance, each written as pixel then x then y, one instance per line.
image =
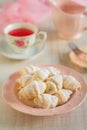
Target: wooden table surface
pixel 55 52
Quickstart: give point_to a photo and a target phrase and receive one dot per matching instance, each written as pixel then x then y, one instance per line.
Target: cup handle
pixel 41 36
pixel 85 20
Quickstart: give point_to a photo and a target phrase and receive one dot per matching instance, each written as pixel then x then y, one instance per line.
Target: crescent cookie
pixel 41 74
pixel 51 87
pixel 46 101
pixel 63 96
pixel 28 70
pixel 32 90
pixel 58 80
pixel 71 83
pixel 53 71
pixel 29 102
pixel 23 81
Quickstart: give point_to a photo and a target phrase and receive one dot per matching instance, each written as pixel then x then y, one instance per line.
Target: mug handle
pixel 85 20
pixel 41 36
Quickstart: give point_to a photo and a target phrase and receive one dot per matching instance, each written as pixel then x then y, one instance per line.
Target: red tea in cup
pixel 21 36
pixel 20 32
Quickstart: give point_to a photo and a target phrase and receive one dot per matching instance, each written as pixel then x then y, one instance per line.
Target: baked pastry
pixel 46 101
pixel 63 96
pixel 71 83
pixel 29 70
pixel 23 81
pixel 57 79
pixel 45 87
pixel 29 102
pixel 53 71
pixel 41 74
pixel 51 87
pixel 32 90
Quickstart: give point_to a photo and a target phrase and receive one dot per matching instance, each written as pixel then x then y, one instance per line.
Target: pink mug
pixel 69 19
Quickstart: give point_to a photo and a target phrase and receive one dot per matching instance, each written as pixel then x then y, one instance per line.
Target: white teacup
pixel 21 41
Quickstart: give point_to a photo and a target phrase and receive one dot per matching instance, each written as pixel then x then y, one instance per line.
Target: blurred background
pixel 45 23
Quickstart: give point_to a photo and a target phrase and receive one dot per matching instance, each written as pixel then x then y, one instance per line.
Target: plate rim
pixel 52 111
pixel 74 61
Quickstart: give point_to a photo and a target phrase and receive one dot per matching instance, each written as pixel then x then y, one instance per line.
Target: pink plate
pixel 12 99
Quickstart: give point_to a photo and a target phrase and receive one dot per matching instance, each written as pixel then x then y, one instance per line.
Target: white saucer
pixel 6 51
